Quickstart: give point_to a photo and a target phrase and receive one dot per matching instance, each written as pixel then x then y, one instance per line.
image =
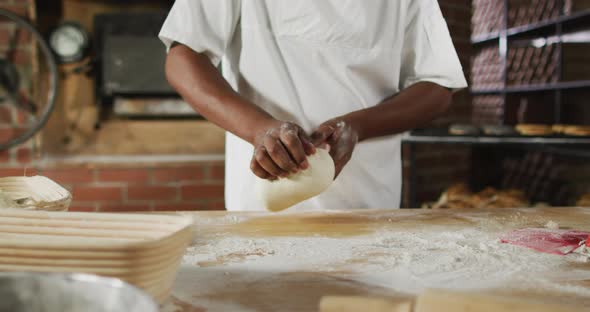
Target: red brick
pixel 29 171
pixel 17 172
pixel 123 175
pixel 22 118
pixel 69 175
pixel 4 156
pixel 151 193
pixel 97 193
pixel 9 133
pixel 179 206
pixel 19 8
pixel 178 174
pixel 24 37
pixel 82 207
pixel 5 33
pixel 5 114
pixel 24 155
pixel 123 207
pixel 207 191
pixel 217 172
pixel 21 57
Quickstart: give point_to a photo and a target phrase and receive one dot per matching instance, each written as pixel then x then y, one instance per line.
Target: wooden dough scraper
pixel 442 301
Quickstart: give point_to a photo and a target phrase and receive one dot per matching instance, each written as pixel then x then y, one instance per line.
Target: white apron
pixel 308 61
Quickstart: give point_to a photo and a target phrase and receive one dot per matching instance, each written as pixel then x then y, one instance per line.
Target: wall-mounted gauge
pixel 69 41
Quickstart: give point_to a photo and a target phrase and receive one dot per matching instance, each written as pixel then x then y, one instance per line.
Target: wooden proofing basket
pixel 143 250
pixel 33 193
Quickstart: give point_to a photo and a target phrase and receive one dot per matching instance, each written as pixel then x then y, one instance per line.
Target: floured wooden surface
pixel 287 262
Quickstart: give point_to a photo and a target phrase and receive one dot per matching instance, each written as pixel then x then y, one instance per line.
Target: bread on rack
pixel 463 129
pixel 460 196
pixel 558 128
pixel 534 129
pixel 456 196
pixel 577 130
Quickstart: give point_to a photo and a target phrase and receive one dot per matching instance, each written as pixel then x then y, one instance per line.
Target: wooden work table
pixel 287 262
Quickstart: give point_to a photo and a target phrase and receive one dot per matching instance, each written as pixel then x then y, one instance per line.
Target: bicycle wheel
pixel 29 117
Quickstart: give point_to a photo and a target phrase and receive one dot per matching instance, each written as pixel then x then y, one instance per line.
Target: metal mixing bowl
pixel 39 292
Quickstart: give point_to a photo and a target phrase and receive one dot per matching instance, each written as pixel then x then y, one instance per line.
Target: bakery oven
pixel 130 80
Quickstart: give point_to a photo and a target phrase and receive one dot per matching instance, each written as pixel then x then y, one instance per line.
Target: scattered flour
pixel 408 261
pixel 583 252
pixel 552 225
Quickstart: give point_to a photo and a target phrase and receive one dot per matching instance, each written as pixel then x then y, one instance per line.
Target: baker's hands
pixel 280 148
pixel 341 137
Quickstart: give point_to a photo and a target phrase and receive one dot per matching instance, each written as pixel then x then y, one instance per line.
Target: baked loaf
pixel 534 129
pixel 459 196
pixel 464 129
pixel 577 130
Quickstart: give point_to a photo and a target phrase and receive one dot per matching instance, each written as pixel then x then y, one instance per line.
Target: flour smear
pixel 405 261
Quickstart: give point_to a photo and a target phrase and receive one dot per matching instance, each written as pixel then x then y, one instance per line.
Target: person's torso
pixel 308 61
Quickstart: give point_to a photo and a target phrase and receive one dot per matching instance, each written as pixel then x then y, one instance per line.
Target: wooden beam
pixel 123 137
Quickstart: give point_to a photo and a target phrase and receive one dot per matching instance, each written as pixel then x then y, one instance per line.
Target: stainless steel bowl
pixel 39 292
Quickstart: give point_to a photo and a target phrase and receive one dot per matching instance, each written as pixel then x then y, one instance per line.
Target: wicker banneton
pixel 33 193
pixel 143 250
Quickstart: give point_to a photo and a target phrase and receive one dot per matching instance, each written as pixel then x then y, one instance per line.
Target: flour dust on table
pixel 401 261
pixel 288 261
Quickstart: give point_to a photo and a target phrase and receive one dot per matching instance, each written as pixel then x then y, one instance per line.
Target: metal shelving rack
pixel 535 87
pixel 497 140
pixel 568 20
pixel 555 26
pixel 572 146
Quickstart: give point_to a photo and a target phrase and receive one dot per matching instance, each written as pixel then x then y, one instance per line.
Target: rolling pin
pixel 442 301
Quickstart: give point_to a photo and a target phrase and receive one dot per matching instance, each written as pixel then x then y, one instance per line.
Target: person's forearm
pixel 410 108
pixel 203 87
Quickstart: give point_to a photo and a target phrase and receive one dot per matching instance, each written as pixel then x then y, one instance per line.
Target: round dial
pixel 69 42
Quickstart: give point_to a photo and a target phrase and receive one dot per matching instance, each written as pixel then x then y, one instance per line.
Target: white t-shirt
pixel 308 61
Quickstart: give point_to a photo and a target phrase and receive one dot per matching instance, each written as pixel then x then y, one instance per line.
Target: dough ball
pixel 285 192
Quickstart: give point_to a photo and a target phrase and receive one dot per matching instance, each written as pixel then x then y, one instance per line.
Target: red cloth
pixel 559 242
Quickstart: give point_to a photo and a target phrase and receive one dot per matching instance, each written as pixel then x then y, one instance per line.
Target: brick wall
pixel 134 187
pixel 194 186
pixel 438 166
pixel 101 187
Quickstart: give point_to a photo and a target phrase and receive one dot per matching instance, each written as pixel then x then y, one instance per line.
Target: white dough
pixel 285 192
